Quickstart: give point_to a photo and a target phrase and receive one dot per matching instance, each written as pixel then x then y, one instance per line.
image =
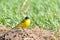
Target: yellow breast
pixel 25 24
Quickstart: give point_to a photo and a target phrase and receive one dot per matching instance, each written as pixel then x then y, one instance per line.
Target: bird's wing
pixel 22 21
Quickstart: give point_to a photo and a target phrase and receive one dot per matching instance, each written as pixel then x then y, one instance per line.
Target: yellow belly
pixel 24 24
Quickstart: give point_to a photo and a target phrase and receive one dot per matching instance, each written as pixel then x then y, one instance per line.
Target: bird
pixel 23 24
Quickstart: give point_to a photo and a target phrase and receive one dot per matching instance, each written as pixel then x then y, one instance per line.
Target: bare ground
pixel 29 34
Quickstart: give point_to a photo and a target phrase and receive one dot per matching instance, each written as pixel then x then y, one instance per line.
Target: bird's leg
pixel 24 30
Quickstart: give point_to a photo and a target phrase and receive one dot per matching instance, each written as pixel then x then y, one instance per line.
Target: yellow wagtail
pixel 23 24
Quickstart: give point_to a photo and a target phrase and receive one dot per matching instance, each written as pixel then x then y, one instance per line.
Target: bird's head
pixel 26 17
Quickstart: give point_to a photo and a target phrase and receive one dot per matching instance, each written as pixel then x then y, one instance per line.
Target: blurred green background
pixel 45 13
